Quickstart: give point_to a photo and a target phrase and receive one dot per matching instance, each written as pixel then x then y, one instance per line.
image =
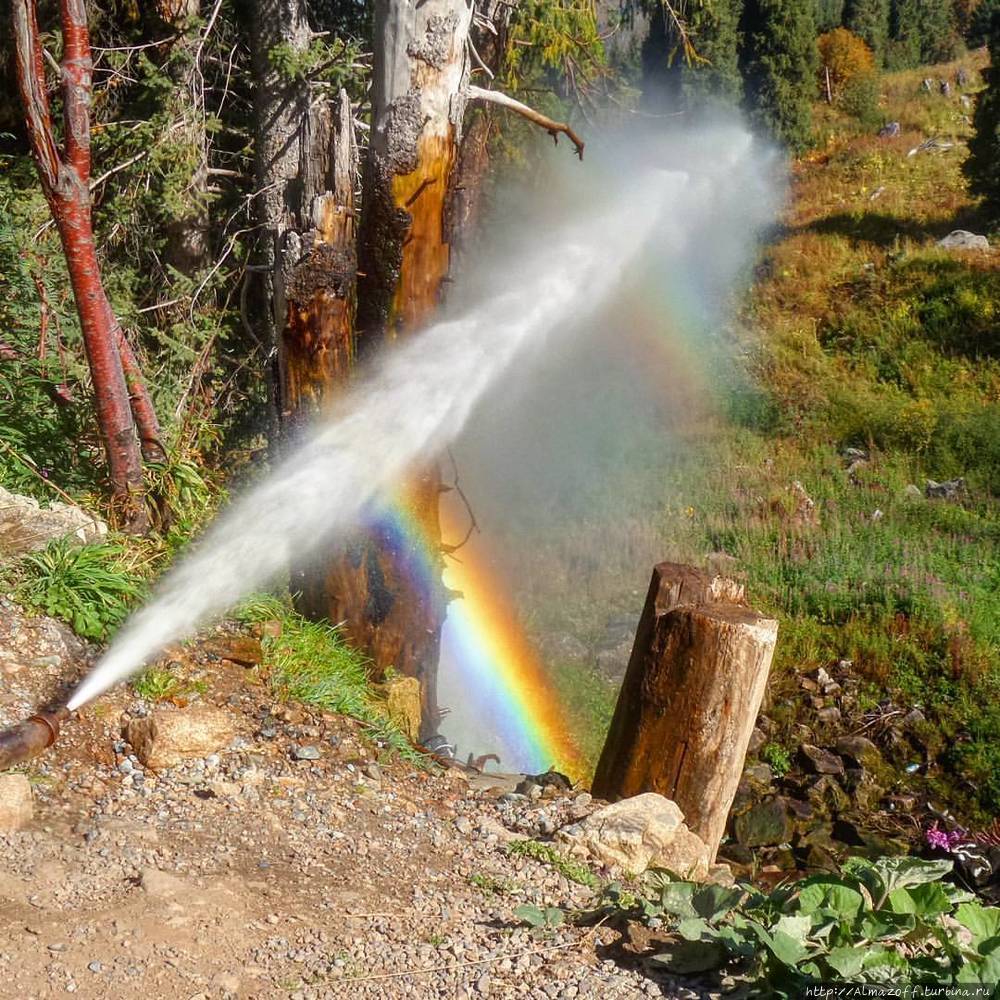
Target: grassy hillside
pixel 863 334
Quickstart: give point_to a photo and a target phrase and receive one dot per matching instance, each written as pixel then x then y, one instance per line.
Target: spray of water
pixel 419 399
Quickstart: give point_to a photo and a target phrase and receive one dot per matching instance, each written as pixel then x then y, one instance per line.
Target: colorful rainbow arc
pixel 484 638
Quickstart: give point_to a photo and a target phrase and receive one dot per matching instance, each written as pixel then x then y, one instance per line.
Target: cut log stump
pixel 690 698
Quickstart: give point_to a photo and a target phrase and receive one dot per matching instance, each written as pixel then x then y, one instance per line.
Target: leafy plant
pixel 156 684
pixel 546 918
pixel 778 757
pixel 87 586
pixel 887 921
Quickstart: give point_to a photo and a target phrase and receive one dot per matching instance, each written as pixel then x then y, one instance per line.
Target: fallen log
pixel 690 698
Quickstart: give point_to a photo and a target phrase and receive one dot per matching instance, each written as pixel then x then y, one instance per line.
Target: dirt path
pixel 252 874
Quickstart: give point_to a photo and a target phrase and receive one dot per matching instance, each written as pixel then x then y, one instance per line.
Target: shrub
pixel 844 58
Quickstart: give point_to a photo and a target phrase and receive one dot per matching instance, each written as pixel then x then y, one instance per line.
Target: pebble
pixel 306 753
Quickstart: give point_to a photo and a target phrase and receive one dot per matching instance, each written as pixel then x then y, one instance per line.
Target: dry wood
pixel 690 698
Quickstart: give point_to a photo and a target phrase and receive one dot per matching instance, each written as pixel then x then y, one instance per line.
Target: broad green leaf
pixel 531 914
pixel 887 926
pixel 686 957
pixel 883 964
pixel 693 929
pixel 986 970
pixel 830 894
pixel 865 872
pixel 714 901
pixel 796 927
pixel 554 916
pixel 927 900
pixel 781 944
pixel 846 962
pixel 983 922
pixel 902 872
pixel 676 899
pixel 956 894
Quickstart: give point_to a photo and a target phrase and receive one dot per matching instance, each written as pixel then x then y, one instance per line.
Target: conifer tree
pixel 710 75
pixel 780 62
pixel 829 15
pixel 921 31
pixel 983 165
pixel 869 20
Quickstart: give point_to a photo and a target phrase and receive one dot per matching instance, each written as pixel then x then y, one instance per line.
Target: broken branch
pixel 554 128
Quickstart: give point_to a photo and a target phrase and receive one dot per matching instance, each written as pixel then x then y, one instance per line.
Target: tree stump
pixel 690 698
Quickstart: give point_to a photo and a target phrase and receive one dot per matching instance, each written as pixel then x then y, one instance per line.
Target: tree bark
pixel 65 176
pixel 419 77
pixel 690 698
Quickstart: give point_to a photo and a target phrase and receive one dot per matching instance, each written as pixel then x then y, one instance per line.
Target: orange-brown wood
pixel 690 698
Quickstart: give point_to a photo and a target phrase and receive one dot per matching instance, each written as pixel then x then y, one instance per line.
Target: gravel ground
pixel 250 873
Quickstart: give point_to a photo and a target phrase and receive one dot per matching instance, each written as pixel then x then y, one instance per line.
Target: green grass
pixel 309 662
pixel 90 587
pixel 575 871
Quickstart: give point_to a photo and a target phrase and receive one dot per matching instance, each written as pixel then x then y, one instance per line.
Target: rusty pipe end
pixel 29 738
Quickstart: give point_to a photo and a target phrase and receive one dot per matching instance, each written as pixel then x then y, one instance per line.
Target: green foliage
pixel 493 885
pixel 542 919
pixel 860 100
pixel 829 14
pixel 778 757
pixel 779 68
pixel 328 60
pixel 310 662
pixel 892 920
pixel 87 586
pixel 554 43
pixel 869 20
pixel 156 684
pixel 921 31
pixel 575 871
pixel 983 165
pixel 692 60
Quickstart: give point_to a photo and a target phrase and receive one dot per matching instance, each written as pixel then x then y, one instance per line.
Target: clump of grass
pixel 492 885
pixel 90 587
pixel 156 684
pixel 575 871
pixel 311 663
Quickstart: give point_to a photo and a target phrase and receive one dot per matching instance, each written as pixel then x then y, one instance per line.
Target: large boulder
pixel 26 526
pixel 166 738
pixel 645 831
pixel 16 804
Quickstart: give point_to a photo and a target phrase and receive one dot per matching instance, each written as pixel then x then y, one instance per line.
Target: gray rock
pixel 951 489
pixel 962 239
pixel 820 761
pixel 889 131
pixel 861 751
pixel 26 526
pixel 765 824
pixel 306 753
pixel 913 492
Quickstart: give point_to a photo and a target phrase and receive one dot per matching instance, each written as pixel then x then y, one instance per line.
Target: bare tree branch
pixel 554 128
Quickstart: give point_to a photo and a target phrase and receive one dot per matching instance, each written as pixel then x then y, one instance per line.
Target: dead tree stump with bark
pixel 690 698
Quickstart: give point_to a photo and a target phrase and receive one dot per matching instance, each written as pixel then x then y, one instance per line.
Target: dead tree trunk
pixel 690 698
pixel 65 177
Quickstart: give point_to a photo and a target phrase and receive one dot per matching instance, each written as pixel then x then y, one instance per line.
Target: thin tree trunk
pixel 65 177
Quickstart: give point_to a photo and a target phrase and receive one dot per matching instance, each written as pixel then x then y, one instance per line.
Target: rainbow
pixel 502 679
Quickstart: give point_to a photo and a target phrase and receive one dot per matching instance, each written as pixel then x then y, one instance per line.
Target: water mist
pixel 418 399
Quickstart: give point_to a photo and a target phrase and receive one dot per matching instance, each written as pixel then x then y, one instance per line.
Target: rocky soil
pixel 296 860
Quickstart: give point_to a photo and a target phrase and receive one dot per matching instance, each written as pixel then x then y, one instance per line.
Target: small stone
pixel 57 946
pixel 241 649
pixel 306 753
pixel 860 750
pixel 464 825
pixel 95 967
pixel 820 761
